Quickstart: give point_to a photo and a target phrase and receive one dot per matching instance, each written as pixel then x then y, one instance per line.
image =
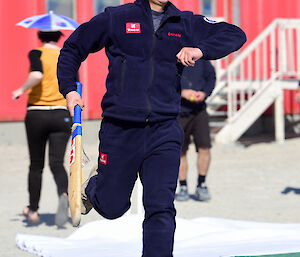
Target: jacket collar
pixel 170 9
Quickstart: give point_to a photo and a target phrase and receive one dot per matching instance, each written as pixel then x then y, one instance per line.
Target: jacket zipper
pixel 122 73
pixel 151 79
pixel 152 64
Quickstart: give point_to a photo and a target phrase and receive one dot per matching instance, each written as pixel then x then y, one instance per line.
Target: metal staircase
pixel 254 80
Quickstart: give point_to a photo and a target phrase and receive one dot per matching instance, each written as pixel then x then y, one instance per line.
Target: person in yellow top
pixel 47 120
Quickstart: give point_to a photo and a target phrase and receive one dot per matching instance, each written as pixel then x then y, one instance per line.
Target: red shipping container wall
pixel 256 15
pixel 94 70
pixel 16 42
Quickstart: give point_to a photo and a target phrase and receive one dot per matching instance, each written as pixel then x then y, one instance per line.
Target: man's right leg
pixel 159 176
pixel 120 158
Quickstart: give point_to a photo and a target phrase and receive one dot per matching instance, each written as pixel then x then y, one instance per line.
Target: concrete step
pixel 217 123
pixel 218 102
pixel 214 113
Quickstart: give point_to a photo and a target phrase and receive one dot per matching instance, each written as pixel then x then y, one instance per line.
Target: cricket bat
pixel 76 170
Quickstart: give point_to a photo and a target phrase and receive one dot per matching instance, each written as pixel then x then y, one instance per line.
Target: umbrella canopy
pixel 49 22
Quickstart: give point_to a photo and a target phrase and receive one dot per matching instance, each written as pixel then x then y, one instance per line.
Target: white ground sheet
pixel 207 237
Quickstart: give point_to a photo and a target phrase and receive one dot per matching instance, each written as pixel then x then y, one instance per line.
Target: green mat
pixel 276 255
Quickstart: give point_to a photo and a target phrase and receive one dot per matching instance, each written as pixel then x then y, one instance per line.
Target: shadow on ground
pixel 288 190
pixel 247 141
pixel 192 197
pixel 45 218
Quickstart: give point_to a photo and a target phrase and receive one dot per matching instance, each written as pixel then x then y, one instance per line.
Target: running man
pixel 148 43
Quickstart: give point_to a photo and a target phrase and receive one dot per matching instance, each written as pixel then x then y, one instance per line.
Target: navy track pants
pixel 151 150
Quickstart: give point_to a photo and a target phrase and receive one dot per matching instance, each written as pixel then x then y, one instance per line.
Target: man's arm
pixel 216 39
pixel 189 55
pixel 89 37
pixel 212 41
pixel 210 78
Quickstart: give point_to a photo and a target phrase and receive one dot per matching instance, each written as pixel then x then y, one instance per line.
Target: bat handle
pixel 77 109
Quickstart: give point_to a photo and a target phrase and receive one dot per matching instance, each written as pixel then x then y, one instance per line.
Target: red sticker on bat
pixel 133 27
pixel 103 158
pixel 72 153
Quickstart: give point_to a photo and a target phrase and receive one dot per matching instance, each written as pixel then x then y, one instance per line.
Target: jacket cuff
pixel 204 52
pixel 67 90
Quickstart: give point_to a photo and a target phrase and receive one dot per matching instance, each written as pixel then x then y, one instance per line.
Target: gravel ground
pixel 258 182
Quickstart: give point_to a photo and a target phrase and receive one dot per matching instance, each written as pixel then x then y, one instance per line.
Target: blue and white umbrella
pixel 49 22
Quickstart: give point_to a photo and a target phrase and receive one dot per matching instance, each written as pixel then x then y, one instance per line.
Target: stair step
pixel 221 94
pixel 217 123
pixel 214 113
pixel 217 102
pixel 223 91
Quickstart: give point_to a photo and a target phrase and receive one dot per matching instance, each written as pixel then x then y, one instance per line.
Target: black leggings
pixel 53 126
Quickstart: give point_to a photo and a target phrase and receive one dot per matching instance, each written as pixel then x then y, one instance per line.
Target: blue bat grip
pixel 77 109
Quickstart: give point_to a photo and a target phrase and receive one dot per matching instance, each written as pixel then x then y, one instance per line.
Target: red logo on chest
pixel 170 34
pixel 133 27
pixel 103 158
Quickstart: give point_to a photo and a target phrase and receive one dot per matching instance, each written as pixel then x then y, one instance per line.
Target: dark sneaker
pixel 61 216
pixel 183 194
pixel 86 205
pixel 202 193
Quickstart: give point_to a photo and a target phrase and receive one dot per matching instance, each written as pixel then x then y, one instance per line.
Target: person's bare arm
pixel 73 98
pixel 32 80
pixel 189 55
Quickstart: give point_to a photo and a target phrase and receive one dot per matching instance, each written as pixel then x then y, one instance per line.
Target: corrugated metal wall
pixel 256 15
pixel 15 43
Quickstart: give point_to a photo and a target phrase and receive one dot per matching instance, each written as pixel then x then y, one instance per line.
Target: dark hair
pixel 47 36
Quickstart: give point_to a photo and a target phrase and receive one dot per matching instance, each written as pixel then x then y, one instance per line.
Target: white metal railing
pixel 273 55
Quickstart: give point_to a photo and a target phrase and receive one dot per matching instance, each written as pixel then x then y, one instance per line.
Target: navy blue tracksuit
pixel 139 132
pixel 153 151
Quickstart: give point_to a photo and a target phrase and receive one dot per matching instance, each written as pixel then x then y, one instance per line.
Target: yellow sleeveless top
pixel 47 92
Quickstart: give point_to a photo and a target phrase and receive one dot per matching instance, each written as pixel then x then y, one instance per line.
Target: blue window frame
pixel 62 7
pixel 100 5
pixel 208 7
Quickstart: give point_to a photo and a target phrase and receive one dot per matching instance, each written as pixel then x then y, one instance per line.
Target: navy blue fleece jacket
pixel 201 77
pixel 143 83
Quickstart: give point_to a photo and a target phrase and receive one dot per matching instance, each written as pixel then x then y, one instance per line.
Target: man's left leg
pixel 159 178
pixel 203 145
pixel 203 161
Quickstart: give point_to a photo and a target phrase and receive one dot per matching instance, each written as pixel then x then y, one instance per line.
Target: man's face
pixel 159 2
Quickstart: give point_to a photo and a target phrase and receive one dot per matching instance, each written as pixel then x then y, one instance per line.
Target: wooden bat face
pixel 75 177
